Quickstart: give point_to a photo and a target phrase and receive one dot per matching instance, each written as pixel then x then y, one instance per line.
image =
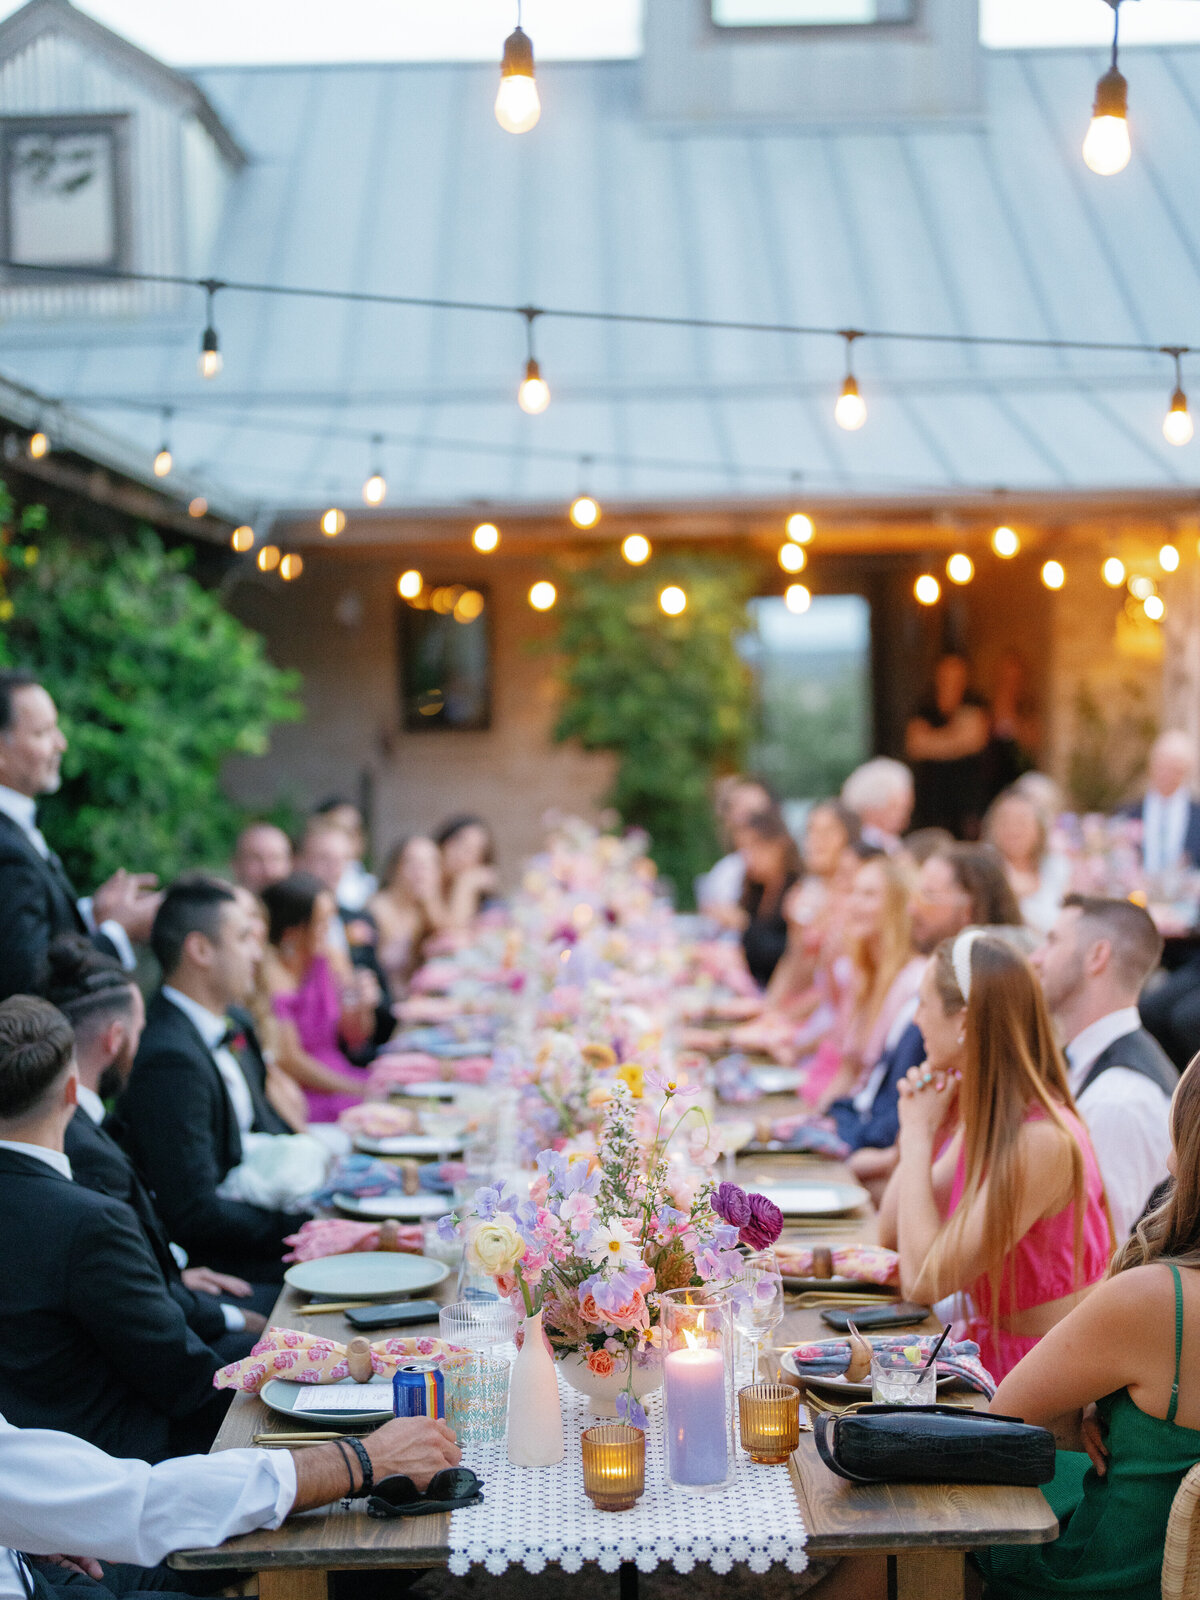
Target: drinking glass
pixel 482 1325
pixel 898 1381
pixel 757 1295
pixel 476 1392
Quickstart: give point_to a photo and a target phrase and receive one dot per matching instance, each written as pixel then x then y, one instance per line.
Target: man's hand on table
pixel 416 1447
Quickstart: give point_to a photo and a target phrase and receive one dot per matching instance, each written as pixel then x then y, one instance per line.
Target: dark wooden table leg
pixel 628 1580
pixel 294 1583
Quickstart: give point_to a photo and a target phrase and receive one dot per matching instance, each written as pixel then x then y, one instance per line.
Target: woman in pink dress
pixel 316 1005
pixel 997 1198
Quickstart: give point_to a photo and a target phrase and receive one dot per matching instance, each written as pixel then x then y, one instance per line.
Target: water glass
pixel 482 1325
pixel 897 1381
pixel 758 1299
pixel 476 1396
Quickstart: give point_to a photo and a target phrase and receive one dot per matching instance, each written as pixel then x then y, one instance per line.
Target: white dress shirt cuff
pixel 235 1320
pixel 112 931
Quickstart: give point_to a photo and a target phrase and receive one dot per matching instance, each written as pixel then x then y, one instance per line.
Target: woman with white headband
pixel 997 1197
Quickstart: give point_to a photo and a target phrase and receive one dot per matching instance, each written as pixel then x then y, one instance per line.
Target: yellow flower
pixel 633 1073
pixel 495 1246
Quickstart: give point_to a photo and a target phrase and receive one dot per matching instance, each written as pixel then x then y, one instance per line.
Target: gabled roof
pixel 38 17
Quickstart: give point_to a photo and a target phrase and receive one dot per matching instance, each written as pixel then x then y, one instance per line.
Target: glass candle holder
pixel 696 1328
pixel 476 1397
pixel 478 1324
pixel 614 1466
pixel 769 1415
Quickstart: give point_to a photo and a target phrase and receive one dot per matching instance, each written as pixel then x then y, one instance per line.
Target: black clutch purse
pixel 933 1444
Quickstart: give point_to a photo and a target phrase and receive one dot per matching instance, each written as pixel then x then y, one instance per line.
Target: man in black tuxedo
pixel 93 1342
pixel 36 894
pixel 198 1083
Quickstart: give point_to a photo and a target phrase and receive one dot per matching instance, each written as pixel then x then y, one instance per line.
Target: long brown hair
pixel 877 962
pixel 1012 1063
pixel 1171 1232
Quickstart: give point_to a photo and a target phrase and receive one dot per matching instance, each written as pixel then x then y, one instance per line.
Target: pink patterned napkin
pixel 377 1120
pixel 305 1358
pixel 338 1236
pixel 862 1263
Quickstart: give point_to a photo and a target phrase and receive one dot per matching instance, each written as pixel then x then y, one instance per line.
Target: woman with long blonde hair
pixel 997 1196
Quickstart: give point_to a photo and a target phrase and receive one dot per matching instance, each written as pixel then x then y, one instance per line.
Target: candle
pixel 614 1466
pixel 770 1421
pixel 697 1429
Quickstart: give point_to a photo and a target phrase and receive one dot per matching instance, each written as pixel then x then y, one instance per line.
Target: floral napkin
pixel 827 1358
pixel 862 1263
pixel 305 1358
pixel 338 1236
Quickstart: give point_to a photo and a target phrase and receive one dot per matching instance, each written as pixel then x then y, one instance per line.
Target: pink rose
pixel 601 1363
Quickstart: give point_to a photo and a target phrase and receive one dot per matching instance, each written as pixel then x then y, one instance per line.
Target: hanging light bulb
pixel 1113 572
pixel 1106 148
pixel 242 539
pixel 797 598
pixel 851 409
pixel 927 589
pixel 1141 587
pixel 1054 574
pixel 409 584
pixel 486 537
pixel 267 558
pixel 517 103
pixel 163 461
pixel 960 568
pixel 799 528
pixel 1177 424
pixel 1154 608
pixel 1168 558
pixel 39 444
pixel 673 600
pixel 542 595
pixel 291 567
pixel 374 490
pixel 210 362
pixel 198 507
pixel 333 522
pixel 792 558
pixel 636 549
pixel 1005 542
pixel 534 394
pixel 585 512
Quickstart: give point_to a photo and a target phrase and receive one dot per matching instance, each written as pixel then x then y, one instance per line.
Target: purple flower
pixel 725 1236
pixel 447 1226
pixel 630 1410
pixel 667 1218
pixel 732 1204
pixel 764 1225
pixel 552 1165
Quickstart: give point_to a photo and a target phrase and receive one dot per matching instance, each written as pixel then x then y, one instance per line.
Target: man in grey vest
pixel 1092 965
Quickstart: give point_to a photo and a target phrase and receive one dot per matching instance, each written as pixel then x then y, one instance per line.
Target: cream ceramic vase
pixel 535 1428
pixel 602 1392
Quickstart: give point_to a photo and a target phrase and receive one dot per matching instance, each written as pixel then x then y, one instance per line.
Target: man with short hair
pixel 38 898
pixel 880 793
pixel 262 855
pixel 93 1341
pixel 1093 964
pixel 191 1100
pixel 1169 815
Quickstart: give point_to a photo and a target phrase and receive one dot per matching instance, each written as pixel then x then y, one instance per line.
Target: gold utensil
pixel 332 1305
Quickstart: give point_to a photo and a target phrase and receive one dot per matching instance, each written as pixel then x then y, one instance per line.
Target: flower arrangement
pixel 598 1237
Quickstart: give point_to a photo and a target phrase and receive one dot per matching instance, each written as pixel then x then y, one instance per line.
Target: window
pixel 445 659
pixel 810 13
pixel 65 195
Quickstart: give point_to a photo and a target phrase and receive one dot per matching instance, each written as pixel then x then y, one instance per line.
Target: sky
pixel 209 32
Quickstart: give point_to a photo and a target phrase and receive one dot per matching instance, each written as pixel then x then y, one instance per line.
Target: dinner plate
pixel 281 1396
pixel 366 1275
pixel 435 1090
pixel 776 1080
pixel 842 1285
pixel 410 1144
pixel 394 1205
pixel 803 1199
pixel 836 1382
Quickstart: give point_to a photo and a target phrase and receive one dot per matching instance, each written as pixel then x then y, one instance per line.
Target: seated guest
pixel 772 867
pixel 1009 1211
pixel 1092 965
pixel 469 879
pixel 105 1009
pixel 356 885
pixel 1039 876
pixel 190 1099
pixel 1169 816
pixel 719 890
pixel 314 999
pixel 58 1493
pixel 815 908
pixel 946 740
pixel 880 793
pixel 408 907
pixel 353 934
pixel 262 855
pixel 38 898
pixel 93 1341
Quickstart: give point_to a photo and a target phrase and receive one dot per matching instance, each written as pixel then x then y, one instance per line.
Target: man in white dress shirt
pixel 1092 965
pixel 1169 815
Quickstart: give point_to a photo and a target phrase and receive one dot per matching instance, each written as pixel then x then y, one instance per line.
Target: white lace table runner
pixel 535 1515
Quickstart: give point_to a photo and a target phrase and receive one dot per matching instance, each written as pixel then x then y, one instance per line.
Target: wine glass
pixel 758 1299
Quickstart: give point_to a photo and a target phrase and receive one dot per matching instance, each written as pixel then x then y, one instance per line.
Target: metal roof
pixel 396 178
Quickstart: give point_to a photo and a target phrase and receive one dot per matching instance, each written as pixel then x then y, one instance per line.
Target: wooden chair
pixel 1181 1551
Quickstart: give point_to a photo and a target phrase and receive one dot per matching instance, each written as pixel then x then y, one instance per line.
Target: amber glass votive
pixel 770 1421
pixel 614 1466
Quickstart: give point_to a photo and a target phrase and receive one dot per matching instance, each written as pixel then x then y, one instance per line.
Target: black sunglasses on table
pixel 449 1490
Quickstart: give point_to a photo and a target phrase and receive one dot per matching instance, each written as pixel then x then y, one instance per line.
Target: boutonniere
pixel 238 1043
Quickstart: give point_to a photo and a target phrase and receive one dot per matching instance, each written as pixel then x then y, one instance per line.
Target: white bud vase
pixel 535 1430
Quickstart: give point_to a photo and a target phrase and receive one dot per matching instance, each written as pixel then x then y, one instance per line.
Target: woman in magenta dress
pixel 997 1198
pixel 316 1004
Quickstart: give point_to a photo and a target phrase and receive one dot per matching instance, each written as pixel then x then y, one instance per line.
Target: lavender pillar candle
pixel 697 1427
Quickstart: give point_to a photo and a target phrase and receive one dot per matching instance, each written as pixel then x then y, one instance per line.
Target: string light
pixel 585 512
pixel 672 600
pixel 1154 608
pixel 268 558
pixel 518 105
pixel 486 537
pixel 198 507
pixel 534 394
pixel 543 595
pixel 1177 424
pixel 210 346
pixel 1141 587
pixel 1106 147
pixel 799 528
pixel 333 522
pixel 1005 543
pixel 242 539
pixel 792 558
pixel 636 549
pixel 374 490
pixel 851 409
pixel 409 584
pixel 163 461
pixel 1113 572
pixel 960 568
pixel 291 567
pixel 797 598
pixel 1168 558
pixel 1054 574
pixel 39 444
pixel 927 589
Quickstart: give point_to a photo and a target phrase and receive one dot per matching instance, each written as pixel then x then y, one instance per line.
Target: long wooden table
pixel 925 1529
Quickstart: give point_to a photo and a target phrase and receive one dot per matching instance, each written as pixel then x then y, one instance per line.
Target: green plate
pixel 367 1275
pixel 281 1395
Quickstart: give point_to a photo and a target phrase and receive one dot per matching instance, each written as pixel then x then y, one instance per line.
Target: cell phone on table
pixel 891 1314
pixel 399 1315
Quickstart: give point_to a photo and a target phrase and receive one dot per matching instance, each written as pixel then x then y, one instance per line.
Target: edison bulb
pixel 409 584
pixel 267 558
pixel 927 589
pixel 486 537
pixel 210 363
pixel 1005 543
pixel 1140 586
pixel 673 600
pixel 585 512
pixel 797 598
pixel 534 394
pixel 518 104
pixel 1054 574
pixel 39 445
pixel 290 567
pixel 799 528
pixel 333 522
pixel 960 568
pixel 375 489
pixel 1168 558
pixel 851 409
pixel 198 507
pixel 1113 572
pixel 792 558
pixel 1106 149
pixel 1177 424
pixel 242 539
pixel 1154 608
pixel 542 596
pixel 163 463
pixel 636 549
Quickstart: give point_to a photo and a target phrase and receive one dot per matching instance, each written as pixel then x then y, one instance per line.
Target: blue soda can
pixel 418 1391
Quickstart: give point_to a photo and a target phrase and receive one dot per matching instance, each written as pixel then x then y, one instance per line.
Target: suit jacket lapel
pixel 228 1132
pixel 52 869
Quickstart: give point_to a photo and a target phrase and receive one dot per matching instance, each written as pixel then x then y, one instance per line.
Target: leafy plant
pixel 156 685
pixel 670 696
pixel 1112 742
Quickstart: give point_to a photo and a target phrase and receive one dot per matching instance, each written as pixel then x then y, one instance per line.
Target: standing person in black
pixel 773 865
pixel 945 743
pixel 105 1009
pixel 38 898
pixel 198 1083
pixel 93 1342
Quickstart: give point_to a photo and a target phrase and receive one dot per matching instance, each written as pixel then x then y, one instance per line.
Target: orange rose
pixel 601 1363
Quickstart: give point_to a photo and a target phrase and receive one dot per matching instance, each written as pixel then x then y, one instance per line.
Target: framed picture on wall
pixel 445 658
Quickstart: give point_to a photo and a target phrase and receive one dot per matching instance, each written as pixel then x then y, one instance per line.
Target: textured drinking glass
pixel 697 1343
pixel 476 1397
pixel 478 1324
pixel 897 1381
pixel 614 1466
pixel 769 1415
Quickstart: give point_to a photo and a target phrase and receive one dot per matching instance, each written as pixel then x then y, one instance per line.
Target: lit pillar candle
pixel 697 1427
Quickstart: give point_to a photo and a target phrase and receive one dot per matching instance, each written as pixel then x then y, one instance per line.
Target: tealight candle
pixel 770 1421
pixel 614 1466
